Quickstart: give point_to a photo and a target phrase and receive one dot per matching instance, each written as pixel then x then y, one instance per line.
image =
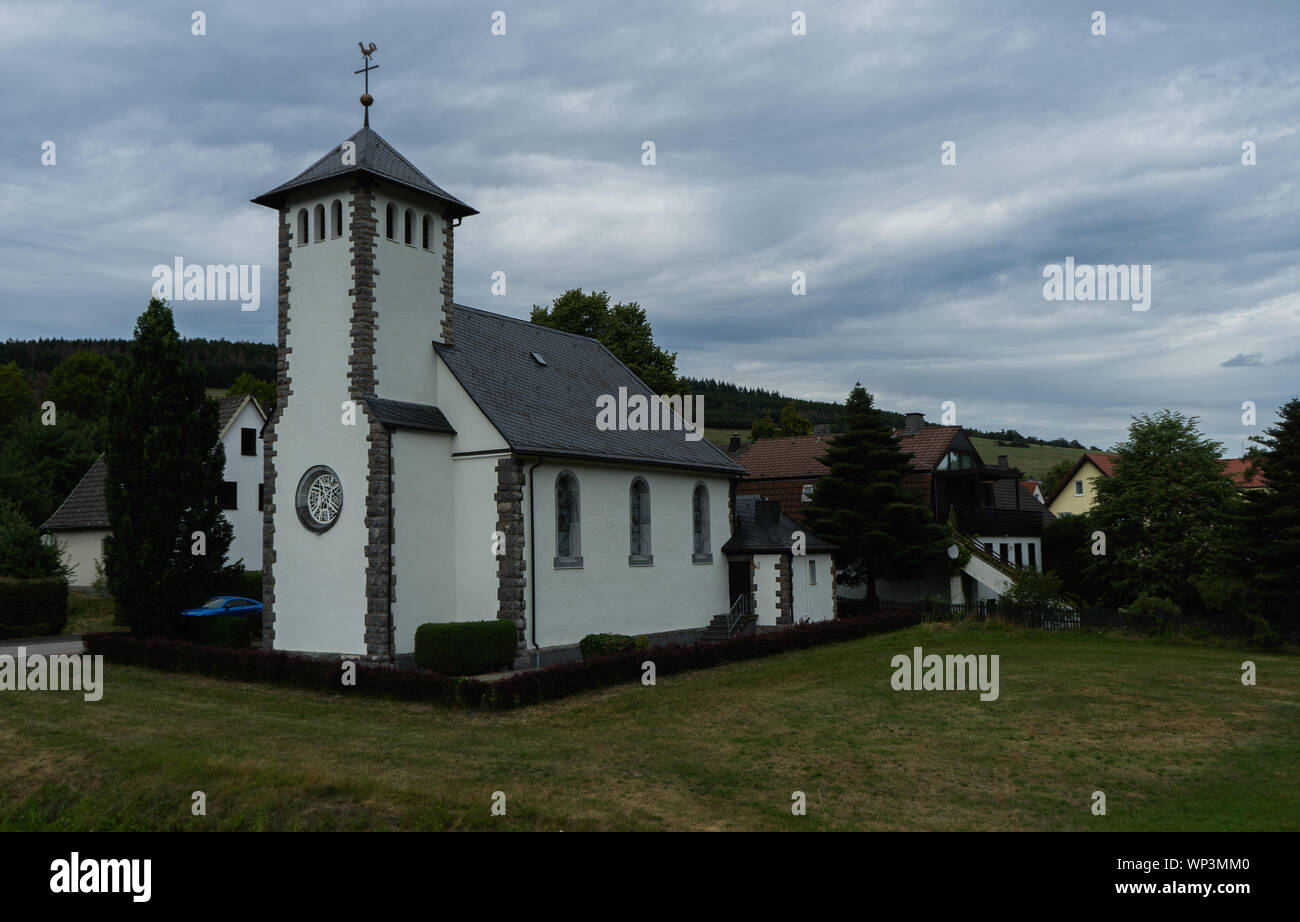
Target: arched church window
pixel 639 520
pixel 390 220
pixel 336 212
pixel 701 552
pixel 409 228
pixel 302 227
pixel 424 234
pixel 320 222
pixel 568 524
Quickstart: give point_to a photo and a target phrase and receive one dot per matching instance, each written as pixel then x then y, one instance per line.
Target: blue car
pixel 226 605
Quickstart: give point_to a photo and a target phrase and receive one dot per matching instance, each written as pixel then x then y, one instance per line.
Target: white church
pixel 431 462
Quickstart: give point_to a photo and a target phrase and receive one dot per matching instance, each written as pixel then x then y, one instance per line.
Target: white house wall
pixel 246 471
pixel 320 578
pixel 606 594
pixel 814 602
pixel 81 549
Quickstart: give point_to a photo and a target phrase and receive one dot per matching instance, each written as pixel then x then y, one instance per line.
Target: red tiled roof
pixel 927 446
pixel 1236 469
pixel 1103 460
pixel 791 457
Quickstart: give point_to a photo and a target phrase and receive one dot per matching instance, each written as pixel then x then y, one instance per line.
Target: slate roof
pixel 1005 495
pixel 375 157
pixel 781 458
pixel 551 409
pixel 85 506
pixel 402 415
pixel 230 408
pixel 752 537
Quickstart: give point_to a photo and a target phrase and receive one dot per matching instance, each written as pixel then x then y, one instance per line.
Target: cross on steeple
pixel 366 98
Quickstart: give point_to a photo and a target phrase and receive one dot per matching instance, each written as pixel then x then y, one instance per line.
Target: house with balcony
pixel 1001 521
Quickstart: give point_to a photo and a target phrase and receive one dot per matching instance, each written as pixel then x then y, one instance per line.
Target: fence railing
pixel 1054 617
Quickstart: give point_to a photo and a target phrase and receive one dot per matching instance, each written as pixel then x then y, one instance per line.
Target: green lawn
pixel 1034 460
pixel 1166 730
pixel 88 612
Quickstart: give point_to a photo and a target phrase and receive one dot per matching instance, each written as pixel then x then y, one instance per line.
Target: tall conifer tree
pixel 884 530
pixel 165 470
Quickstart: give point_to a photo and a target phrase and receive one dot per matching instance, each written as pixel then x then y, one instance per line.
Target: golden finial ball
pixel 366 99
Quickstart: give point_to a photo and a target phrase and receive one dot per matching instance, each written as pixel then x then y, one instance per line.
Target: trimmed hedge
pixel 217 630
pixel 605 644
pixel 518 690
pixel 33 607
pixel 466 647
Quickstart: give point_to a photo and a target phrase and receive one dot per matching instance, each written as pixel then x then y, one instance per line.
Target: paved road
pixel 46 646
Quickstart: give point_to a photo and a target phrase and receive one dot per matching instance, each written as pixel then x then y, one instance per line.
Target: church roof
pixel 550 409
pixel 400 414
pixel 375 157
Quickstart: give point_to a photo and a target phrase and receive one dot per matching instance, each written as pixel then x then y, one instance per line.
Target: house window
pixel 336 211
pixel 261 497
pixel 639 521
pixel 229 495
pixel 248 442
pixel 806 494
pixel 812 573
pixel 1078 488
pixel 1033 556
pixel 701 552
pixel 568 536
pixel 1002 552
pixel 390 219
pixel 1019 562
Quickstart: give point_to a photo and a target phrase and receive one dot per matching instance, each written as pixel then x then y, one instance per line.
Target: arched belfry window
pixel 336 213
pixel 302 227
pixel 424 234
pixel 701 551
pixel 319 215
pixel 568 522
pixel 639 520
pixel 390 221
pixel 409 228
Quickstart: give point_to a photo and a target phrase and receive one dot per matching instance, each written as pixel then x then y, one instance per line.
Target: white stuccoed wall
pixel 813 602
pixel 320 579
pixel 246 471
pixel 80 550
pixel 606 594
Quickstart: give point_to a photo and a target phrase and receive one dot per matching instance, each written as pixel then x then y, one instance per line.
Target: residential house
pixel 80 524
pixel 1076 493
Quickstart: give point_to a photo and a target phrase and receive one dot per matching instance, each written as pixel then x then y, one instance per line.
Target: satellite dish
pixel 954 552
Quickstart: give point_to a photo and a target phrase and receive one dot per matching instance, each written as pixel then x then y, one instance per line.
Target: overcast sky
pixel 775 153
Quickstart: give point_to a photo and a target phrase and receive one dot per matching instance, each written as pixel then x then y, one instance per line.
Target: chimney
pixel 822 429
pixel 915 421
pixel 734 444
pixel 1003 463
pixel 767 512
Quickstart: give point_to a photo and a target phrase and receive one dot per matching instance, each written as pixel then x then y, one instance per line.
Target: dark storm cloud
pixel 775 154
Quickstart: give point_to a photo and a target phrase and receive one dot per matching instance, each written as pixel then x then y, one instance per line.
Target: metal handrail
pixel 739 610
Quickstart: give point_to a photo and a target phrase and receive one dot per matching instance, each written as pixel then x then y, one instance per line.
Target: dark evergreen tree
pixel 165 470
pixel 1271 537
pixel 1165 512
pixel 884 530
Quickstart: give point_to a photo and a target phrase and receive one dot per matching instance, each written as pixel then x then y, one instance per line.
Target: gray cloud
pixel 1242 360
pixel 775 153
